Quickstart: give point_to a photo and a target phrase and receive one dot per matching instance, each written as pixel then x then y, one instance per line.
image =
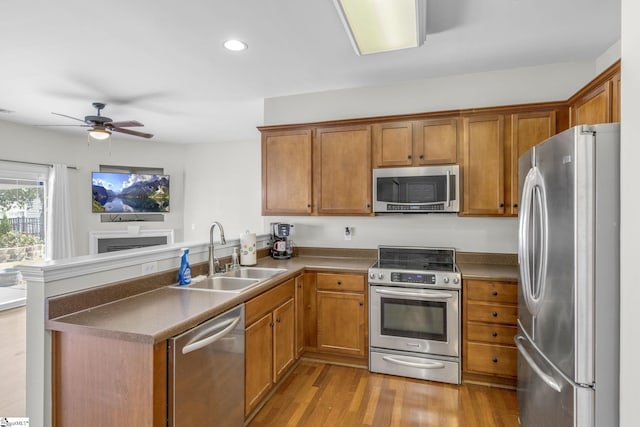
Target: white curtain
pixel 59 241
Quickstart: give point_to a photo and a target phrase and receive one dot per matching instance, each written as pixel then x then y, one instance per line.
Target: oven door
pixel 415 320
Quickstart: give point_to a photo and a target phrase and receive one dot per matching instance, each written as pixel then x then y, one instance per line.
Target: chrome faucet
pixel 214 265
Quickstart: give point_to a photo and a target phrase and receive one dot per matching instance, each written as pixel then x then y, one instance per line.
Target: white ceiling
pixel 161 62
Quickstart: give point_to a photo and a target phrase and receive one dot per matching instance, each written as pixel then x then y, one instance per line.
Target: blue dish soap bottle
pixel 184 272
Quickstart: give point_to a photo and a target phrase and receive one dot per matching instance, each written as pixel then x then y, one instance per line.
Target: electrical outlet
pixel 348 232
pixel 149 268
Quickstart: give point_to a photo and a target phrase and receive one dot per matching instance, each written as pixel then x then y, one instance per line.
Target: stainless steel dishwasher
pixel 206 373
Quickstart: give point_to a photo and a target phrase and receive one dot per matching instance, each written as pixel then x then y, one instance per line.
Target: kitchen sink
pixel 222 283
pixel 254 272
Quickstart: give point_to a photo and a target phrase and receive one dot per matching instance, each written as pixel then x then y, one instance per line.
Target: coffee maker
pixel 281 240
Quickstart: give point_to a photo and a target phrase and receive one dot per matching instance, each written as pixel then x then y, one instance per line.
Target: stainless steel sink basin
pixel 254 272
pixel 222 283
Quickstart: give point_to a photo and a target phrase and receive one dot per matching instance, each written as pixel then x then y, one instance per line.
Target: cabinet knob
pixel 409 157
pixel 308 205
pixel 515 205
pixel 494 334
pixel 502 205
pixel 339 283
pixel 360 303
pixel 271 324
pixel 494 360
pixel 421 156
pixel 368 205
pixel 494 314
pixel 278 320
pixel 494 293
pixel 299 286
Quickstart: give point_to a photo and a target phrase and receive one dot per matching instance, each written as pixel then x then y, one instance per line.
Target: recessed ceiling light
pixel 235 45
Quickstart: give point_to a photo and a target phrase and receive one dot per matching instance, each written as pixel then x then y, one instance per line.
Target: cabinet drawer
pixel 492 313
pixel 257 307
pixel 492 334
pixel 492 359
pixel 340 282
pixel 502 292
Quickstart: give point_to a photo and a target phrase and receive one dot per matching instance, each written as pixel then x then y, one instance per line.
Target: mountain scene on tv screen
pixel 121 193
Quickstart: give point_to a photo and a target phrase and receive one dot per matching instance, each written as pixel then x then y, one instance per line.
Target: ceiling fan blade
pixel 80 126
pixel 69 117
pixel 127 124
pixel 132 132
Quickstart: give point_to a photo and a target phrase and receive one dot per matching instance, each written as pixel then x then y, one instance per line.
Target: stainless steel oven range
pixel 414 313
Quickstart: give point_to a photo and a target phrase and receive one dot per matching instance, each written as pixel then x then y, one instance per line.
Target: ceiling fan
pixel 102 126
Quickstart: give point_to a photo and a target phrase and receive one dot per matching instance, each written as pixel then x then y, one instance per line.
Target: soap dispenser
pixel 234 259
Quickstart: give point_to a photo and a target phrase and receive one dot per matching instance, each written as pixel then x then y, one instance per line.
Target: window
pixel 22 213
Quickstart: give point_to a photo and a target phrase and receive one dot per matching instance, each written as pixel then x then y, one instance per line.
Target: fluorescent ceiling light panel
pixel 383 25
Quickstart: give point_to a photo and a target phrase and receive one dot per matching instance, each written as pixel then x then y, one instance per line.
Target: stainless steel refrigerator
pixel 568 298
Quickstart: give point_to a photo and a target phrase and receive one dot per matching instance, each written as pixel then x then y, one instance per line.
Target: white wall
pixel 222 183
pixel 554 82
pixel 26 143
pixel 629 224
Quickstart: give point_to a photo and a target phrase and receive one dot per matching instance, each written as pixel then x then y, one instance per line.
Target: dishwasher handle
pixel 228 326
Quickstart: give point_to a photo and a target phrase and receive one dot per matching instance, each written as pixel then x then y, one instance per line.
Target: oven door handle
pixel 425 365
pixel 425 294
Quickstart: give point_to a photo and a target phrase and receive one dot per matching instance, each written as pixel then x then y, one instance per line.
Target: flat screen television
pixel 129 192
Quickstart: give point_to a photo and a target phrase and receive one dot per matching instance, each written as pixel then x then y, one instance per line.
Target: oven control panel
pixel 425 278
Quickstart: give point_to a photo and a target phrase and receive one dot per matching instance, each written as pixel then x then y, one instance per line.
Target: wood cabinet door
pixel 286 173
pixel 341 323
pixel 283 339
pixel 299 303
pixel 392 144
pixel 527 130
pixel 435 142
pixel 342 160
pixel 310 312
pixel 258 361
pixel 593 108
pixel 483 165
pixel 615 98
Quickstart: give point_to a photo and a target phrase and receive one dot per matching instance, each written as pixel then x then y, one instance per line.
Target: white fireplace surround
pixel 130 232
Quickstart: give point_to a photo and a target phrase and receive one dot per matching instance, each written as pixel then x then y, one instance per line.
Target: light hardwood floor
pixel 317 394
pixel 12 362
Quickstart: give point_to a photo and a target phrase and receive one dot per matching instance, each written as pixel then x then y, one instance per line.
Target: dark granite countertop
pixel 156 315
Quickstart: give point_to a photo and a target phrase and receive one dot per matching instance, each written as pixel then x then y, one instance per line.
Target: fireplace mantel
pixel 132 232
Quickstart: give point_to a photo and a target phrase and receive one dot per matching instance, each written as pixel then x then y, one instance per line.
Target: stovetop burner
pixel 415 267
pixel 417 258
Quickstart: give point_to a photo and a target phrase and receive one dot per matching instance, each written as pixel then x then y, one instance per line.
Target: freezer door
pixel 545 397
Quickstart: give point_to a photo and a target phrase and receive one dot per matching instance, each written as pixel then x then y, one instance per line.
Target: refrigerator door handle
pixel 550 381
pixel 532 279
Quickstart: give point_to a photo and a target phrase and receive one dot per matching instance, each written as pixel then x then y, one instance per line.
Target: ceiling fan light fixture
pixel 235 45
pixel 99 134
pixel 375 26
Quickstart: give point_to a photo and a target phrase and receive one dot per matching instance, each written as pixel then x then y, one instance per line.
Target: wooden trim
pixel 594 84
pixel 534 106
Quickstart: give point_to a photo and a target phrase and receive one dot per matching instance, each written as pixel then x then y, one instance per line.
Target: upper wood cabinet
pixel 435 141
pixel 524 131
pixel 342 165
pixel 415 143
pixel 286 172
pixel 393 144
pixel 482 164
pixel 599 101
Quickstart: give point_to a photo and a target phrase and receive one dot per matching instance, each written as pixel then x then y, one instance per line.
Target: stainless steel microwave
pixel 416 189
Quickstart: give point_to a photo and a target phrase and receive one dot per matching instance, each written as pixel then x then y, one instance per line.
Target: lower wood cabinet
pixel 489 324
pixel 269 341
pixel 341 314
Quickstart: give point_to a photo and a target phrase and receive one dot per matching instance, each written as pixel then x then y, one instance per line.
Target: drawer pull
pixel 494 334
pixel 494 314
pixel 494 293
pixel 494 360
pixel 425 365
